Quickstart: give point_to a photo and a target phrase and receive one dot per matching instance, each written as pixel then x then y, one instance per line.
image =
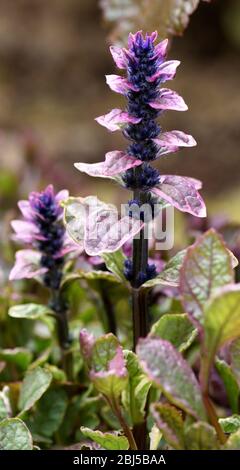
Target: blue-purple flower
pixel 43 232
pixel 146 70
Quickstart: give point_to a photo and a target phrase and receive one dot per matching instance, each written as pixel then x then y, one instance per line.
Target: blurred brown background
pixel 53 58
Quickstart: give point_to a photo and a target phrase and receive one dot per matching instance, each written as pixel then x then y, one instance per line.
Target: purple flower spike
pixel 115 163
pixel 146 69
pixel 43 231
pixel 116 120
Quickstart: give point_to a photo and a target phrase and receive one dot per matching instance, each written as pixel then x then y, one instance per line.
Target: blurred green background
pixel 53 58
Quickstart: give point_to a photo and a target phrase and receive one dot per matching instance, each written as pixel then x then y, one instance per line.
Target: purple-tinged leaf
pixel 169 99
pixel 107 369
pixel 166 71
pixel 120 84
pixel 116 162
pixel 169 420
pixel 168 370
pixel 27 265
pixel 95 225
pixel 116 119
pixel 180 191
pixel 172 141
pixel 110 234
pixel 207 266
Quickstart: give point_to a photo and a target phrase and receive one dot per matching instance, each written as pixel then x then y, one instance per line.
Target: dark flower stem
pixel 139 298
pixel 63 333
pixel 139 308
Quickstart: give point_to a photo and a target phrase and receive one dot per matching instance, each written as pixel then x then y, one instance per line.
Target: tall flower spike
pixel 146 70
pixel 42 230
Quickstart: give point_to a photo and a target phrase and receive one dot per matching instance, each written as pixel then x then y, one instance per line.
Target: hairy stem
pixel 124 425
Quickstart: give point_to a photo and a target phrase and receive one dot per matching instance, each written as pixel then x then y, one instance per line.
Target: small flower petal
pixel 25 231
pixel 26 210
pixel 27 265
pixel 169 99
pixel 119 56
pixel 115 162
pixel 116 119
pixel 181 192
pixel 120 84
pixel 166 71
pixel 161 49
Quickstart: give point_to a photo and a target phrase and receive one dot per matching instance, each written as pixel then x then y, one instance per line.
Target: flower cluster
pixel 43 232
pixel 146 70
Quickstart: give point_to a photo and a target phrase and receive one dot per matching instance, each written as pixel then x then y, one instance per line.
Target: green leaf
pixel 230 383
pixel 169 421
pixel 30 311
pixel 21 357
pixel 233 442
pixel 134 397
pixel 35 384
pixel 115 263
pixel 206 267
pixel 89 276
pixel 50 412
pixel 175 328
pixel 169 276
pixel 155 437
pixel 108 371
pixel 171 373
pixel 201 436
pixel 230 424
pixel 14 435
pixel 221 323
pixel 74 217
pixel 5 406
pixel 235 359
pixel 107 440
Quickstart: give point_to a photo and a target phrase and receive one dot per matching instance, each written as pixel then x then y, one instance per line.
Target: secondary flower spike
pixel 43 232
pixel 146 69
